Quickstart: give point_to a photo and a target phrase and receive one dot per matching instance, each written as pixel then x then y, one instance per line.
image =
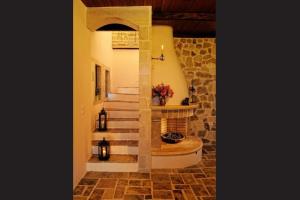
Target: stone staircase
pixel 122 110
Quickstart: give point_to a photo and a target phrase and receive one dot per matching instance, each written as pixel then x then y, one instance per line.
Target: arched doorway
pixel 137 18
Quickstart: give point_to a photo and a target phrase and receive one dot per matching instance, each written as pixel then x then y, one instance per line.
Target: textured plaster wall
pixel 82 99
pixel 197 58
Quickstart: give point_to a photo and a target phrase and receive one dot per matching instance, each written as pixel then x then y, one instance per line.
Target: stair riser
pixel 123 124
pixel 123 97
pixel 112 167
pixel 119 150
pixel 123 114
pixel 116 136
pixel 128 90
pixel 121 105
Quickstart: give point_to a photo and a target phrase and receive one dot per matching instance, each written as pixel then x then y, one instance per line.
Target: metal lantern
pixel 103 150
pixel 102 120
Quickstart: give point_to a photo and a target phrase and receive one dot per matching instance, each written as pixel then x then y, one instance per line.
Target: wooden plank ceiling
pixel 189 18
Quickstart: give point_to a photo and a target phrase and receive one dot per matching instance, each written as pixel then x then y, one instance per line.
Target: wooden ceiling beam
pixel 184 16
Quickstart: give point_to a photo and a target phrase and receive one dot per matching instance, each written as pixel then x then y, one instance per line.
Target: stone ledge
pixel 174 107
pixel 189 145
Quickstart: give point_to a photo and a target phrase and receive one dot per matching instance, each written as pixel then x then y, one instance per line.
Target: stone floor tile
pixel 199 175
pixel 199 190
pixel 139 175
pixel 209 163
pixel 162 186
pixel 96 194
pixel 138 190
pixel 108 194
pixel 188 179
pixel 78 190
pixel 93 174
pixel 177 187
pixel 147 183
pixel 133 197
pixel 159 171
pixel 210 156
pixel 176 179
pixel 162 194
pixel 119 192
pixel 211 190
pixel 107 183
pixel 193 166
pixel 160 177
pixel 209 147
pixel 210 172
pixel 178 195
pixel 88 190
pixel 122 182
pixel 135 182
pixel 190 170
pixel 208 198
pixel 209 181
pixel 86 181
pixel 189 194
pixel 79 198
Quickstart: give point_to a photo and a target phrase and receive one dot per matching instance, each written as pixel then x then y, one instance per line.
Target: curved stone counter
pixel 180 155
pixel 190 145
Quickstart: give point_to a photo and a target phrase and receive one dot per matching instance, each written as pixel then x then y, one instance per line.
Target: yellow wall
pixel 167 71
pixel 82 98
pixel 123 63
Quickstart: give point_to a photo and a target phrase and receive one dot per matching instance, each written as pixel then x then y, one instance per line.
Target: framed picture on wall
pixel 125 40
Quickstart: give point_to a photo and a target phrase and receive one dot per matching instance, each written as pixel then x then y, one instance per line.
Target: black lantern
pixel 102 120
pixel 103 150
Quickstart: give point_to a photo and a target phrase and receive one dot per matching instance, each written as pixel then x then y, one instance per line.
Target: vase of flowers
pixel 160 93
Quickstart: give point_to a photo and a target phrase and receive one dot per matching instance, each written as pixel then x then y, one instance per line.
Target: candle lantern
pixel 102 120
pixel 103 150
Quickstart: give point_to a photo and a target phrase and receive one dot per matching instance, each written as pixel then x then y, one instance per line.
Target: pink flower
pixel 162 90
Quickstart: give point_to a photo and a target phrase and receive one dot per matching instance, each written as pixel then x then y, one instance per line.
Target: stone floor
pixel 196 182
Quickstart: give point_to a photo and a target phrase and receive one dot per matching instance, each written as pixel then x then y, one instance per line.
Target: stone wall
pixel 197 57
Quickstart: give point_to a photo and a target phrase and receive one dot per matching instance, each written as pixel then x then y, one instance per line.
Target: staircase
pixel 122 110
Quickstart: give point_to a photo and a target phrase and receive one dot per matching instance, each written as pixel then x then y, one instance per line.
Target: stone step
pixel 115 158
pixel 122 119
pixel 116 135
pixel 116 163
pixel 122 114
pixel 121 150
pixel 123 124
pixel 121 109
pixel 133 143
pixel 128 90
pixel 123 97
pixel 121 105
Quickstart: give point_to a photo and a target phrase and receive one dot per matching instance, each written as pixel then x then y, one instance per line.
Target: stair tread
pixel 115 158
pixel 132 143
pixel 120 109
pixel 129 87
pixel 122 119
pixel 123 101
pixel 119 130
pixel 123 93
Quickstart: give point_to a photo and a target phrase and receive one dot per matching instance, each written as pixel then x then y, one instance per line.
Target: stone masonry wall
pixel 198 62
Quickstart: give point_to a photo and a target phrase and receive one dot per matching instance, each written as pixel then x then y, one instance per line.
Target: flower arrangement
pixel 162 92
